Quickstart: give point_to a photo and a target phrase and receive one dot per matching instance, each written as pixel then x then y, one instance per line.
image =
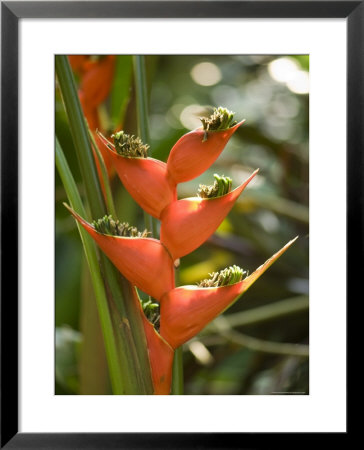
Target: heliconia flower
pixel 91 114
pixel 195 151
pixel 160 354
pixel 77 62
pixel 97 80
pixel 143 261
pixel 146 179
pixel 96 76
pixel 186 310
pixel 187 223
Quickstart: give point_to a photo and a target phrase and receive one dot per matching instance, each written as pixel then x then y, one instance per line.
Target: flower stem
pixel 105 177
pixel 177 376
pixel 143 122
pixel 177 370
pixel 271 311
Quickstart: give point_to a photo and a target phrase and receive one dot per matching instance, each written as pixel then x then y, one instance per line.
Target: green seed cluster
pixel 107 225
pixel 225 277
pixel 220 119
pixel 221 186
pixel 152 312
pixel 97 58
pixel 129 146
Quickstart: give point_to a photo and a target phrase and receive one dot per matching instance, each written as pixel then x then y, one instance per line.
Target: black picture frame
pixel 11 12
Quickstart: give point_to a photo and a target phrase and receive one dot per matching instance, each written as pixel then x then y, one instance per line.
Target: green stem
pixel 105 176
pixel 141 97
pixel 272 311
pixel 259 345
pixel 177 370
pixel 224 328
pixel 264 313
pixel 129 322
pixel 143 121
pixel 177 376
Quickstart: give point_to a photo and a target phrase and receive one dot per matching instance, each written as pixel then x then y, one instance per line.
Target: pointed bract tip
pixel 291 241
pixel 79 219
pixel 105 141
pixel 239 123
pixel 68 207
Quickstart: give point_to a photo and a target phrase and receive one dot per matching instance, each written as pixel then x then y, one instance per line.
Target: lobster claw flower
pixel 160 354
pixel 187 223
pixel 186 310
pixel 77 62
pixel 96 76
pixel 146 179
pixel 143 261
pixel 196 151
pixel 97 80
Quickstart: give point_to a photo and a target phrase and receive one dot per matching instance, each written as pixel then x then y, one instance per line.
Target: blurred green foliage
pixel 271 93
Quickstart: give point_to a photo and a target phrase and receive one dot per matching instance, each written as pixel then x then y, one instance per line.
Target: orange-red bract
pixel 143 261
pixel 186 310
pixel 191 155
pixel 160 354
pixel 146 180
pixel 95 85
pixel 97 80
pixel 91 114
pixel 187 223
pixel 78 62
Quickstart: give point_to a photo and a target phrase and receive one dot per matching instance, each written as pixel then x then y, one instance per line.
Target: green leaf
pixel 121 89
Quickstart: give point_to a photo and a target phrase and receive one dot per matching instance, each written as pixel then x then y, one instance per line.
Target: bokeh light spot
pixel 287 70
pixel 283 69
pixel 300 83
pixel 206 74
pixel 190 116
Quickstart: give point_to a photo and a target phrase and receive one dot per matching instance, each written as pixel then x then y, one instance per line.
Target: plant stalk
pixel 143 120
pixel 177 370
pixel 177 374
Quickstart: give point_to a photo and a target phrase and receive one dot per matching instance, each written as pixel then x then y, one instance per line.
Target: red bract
pixel 97 79
pixel 160 355
pixel 77 62
pixel 193 153
pixel 143 261
pixel 186 310
pixel 91 114
pixel 146 180
pixel 187 223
